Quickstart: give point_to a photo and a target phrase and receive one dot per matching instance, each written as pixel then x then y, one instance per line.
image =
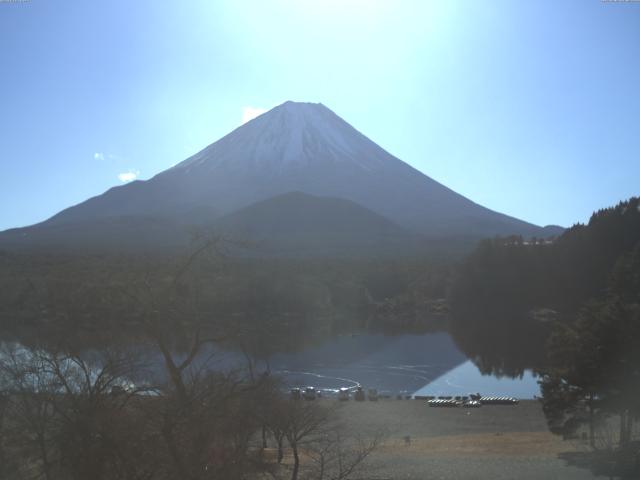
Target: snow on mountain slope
pixel 302 147
pixel 293 134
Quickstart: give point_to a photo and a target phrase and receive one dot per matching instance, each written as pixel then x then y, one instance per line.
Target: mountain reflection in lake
pixel 428 364
pixel 393 363
pixel 466 378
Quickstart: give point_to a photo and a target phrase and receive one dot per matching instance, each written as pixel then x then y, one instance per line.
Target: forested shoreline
pixel 519 288
pixel 79 398
pixel 96 299
pixel 569 309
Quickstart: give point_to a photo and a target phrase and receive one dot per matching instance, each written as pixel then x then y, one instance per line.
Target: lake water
pixel 429 364
pixel 466 378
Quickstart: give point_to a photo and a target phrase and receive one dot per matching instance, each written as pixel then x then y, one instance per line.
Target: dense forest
pixel 510 292
pixel 97 299
pixel 570 310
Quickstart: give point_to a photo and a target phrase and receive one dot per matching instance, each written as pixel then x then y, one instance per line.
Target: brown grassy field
pixel 493 442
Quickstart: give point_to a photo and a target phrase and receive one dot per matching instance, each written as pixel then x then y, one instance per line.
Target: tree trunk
pixel 296 462
pixel 592 438
pixel 249 363
pixel 3 404
pixel 623 428
pixel 280 449
pixel 174 372
pixel 44 456
pixel 174 453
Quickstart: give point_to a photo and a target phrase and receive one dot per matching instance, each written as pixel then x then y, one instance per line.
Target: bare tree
pixel 321 447
pixel 335 456
pixel 4 401
pixel 70 417
pixel 300 422
pixel 205 418
pixel 80 415
pixel 28 405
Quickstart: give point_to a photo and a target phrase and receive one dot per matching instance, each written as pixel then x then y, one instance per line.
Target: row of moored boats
pixel 472 401
pixel 359 394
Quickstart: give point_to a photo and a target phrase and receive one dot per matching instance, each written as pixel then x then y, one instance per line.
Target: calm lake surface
pixel 427 364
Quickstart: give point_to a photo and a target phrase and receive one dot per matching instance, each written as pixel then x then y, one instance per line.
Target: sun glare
pixel 330 11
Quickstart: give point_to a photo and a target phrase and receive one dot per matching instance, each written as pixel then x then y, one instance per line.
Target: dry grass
pixel 512 443
pixel 496 442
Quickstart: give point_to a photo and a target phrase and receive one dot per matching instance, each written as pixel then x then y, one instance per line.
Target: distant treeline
pixel 570 310
pixel 282 304
pixel 509 292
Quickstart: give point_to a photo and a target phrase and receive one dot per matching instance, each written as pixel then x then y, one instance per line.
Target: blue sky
pixel 529 108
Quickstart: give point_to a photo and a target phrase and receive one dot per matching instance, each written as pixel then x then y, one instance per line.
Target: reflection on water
pixel 388 363
pixel 466 379
pixel 427 364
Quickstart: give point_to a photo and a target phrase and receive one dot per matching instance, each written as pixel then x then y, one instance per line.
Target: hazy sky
pixel 531 108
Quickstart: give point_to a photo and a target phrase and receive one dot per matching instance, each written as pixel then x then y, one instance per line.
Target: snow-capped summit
pixel 295 147
pixel 291 134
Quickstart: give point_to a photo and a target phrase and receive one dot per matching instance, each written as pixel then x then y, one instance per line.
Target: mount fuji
pixel 295 147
